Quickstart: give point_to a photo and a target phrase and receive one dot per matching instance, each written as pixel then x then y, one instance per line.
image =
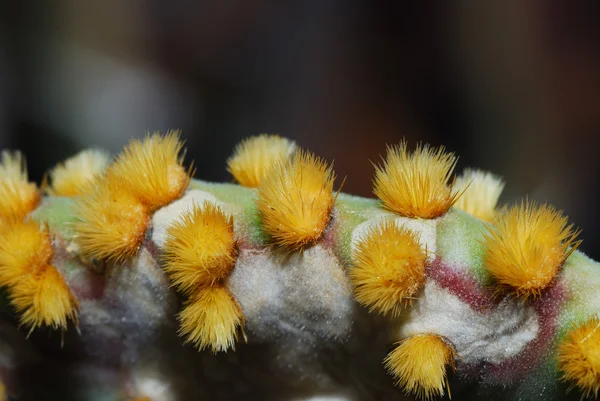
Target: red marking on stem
pixel 460 284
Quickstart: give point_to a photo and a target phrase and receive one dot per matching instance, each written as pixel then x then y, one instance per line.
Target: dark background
pixel 510 86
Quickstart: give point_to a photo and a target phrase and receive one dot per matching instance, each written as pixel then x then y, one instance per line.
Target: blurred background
pixel 511 86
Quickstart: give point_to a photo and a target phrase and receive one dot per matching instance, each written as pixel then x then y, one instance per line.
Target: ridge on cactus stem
pixel 253 156
pixel 36 289
pixel 579 357
pixel 389 268
pixel 295 200
pixel 480 193
pixel 200 248
pixel 419 364
pixel 415 184
pixel 142 258
pixel 210 319
pixel 526 246
pixel 70 177
pixel 18 195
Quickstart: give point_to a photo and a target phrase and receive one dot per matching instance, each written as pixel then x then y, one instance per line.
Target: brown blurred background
pixel 510 86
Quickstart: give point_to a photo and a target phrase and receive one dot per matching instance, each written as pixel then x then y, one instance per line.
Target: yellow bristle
pixel 416 184
pixel 111 222
pixel 12 167
pixel 419 365
pixel 253 156
pixel 389 268
pixel 295 200
pixel 36 288
pixel 526 247
pixel 71 177
pixel 18 196
pixel 25 249
pixel 200 248
pixel 44 298
pixel 579 357
pixel 210 319
pixel 480 192
pixel 152 169
pixel 2 391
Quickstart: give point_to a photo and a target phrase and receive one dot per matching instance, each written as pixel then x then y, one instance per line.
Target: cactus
pixel 127 279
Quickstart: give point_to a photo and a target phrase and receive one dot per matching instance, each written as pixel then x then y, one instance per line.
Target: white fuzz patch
pixel 304 294
pixel 167 215
pixel 493 337
pixel 424 228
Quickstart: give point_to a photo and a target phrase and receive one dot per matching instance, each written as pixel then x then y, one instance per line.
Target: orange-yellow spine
pixel 419 364
pixel 36 288
pixel 111 221
pixel 200 248
pixel 579 357
pixel 416 184
pixel 389 268
pixel 253 157
pixel 151 169
pixel 74 175
pixel 211 318
pixel 18 196
pixel 295 200
pixel 526 246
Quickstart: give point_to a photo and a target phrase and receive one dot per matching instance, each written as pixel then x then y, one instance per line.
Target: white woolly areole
pixel 305 294
pixel 425 230
pixel 167 215
pixel 492 337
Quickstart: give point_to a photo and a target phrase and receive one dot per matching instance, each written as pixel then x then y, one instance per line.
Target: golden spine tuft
pixel 36 288
pixel 111 222
pixel 210 319
pixel 74 175
pixel 416 184
pixel 480 193
pixel 389 268
pixel 419 365
pixel 18 196
pixel 295 200
pixel 113 216
pixel 579 357
pixel 526 246
pixel 200 248
pixel 151 169
pixel 253 157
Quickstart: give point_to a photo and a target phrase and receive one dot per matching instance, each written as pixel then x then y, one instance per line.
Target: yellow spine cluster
pixel 254 156
pixel 480 193
pixel 419 365
pixel 295 200
pixel 199 255
pixel 74 175
pixel 113 216
pixel 526 246
pixel 18 196
pixel 36 288
pixel 389 268
pixel 579 357
pixel 416 184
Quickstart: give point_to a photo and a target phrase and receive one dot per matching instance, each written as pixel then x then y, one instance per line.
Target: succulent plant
pixel 127 279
